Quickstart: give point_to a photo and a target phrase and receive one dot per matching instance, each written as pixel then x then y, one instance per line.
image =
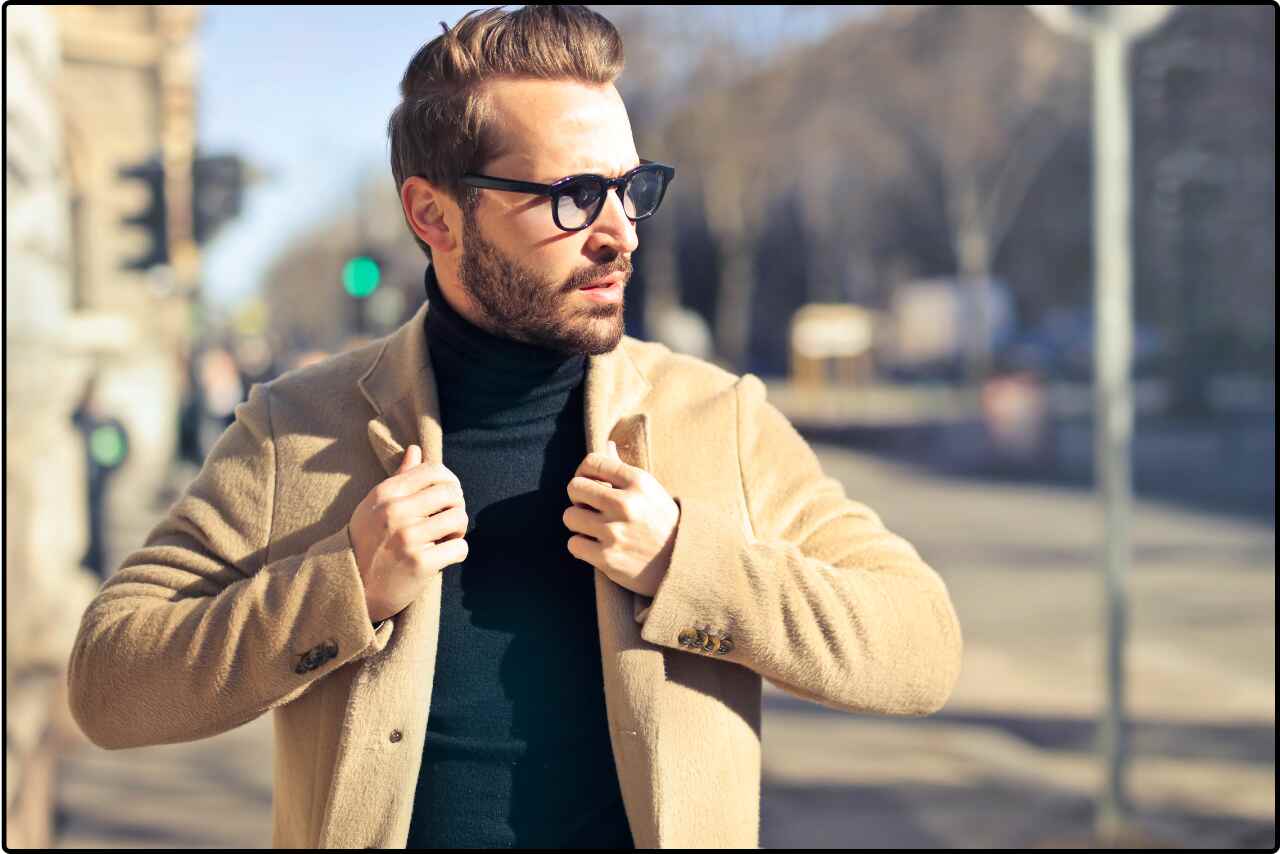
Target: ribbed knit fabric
pixel 517 750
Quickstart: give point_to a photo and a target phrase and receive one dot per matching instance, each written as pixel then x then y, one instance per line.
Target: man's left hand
pixel 624 519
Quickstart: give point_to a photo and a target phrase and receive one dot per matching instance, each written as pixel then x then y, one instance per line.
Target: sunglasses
pixel 577 200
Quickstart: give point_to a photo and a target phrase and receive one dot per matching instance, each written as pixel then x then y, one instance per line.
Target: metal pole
pixel 1113 412
pixel 1110 30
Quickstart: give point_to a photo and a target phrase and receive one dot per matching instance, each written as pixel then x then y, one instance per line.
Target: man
pixel 558 638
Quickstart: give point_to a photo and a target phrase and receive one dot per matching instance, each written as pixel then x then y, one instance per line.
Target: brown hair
pixel 444 126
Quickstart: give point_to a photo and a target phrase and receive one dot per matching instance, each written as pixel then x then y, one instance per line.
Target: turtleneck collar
pixel 470 361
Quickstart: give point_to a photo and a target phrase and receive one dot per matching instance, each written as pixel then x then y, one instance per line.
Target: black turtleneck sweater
pixel 517 751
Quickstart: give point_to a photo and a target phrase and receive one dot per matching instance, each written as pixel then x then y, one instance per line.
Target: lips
pixel 606 282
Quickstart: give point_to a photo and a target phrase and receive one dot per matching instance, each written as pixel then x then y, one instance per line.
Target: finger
pixel 609 469
pixel 426 502
pixel 416 478
pixel 426 532
pixel 598 496
pixel 412 457
pixel 585 521
pixel 586 550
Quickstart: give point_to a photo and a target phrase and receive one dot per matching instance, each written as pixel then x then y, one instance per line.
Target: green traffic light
pixel 106 446
pixel 360 276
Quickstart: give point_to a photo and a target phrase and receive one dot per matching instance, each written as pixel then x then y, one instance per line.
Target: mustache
pixel 621 265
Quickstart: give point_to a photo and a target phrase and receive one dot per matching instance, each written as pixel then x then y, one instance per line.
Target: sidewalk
pixel 1010 761
pixel 214 793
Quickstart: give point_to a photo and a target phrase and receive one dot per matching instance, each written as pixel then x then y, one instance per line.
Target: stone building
pixel 89 89
pixel 126 92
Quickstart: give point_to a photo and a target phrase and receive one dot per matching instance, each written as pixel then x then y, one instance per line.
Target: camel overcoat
pixel 246 598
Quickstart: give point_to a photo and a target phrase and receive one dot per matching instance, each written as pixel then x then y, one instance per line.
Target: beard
pixel 518 303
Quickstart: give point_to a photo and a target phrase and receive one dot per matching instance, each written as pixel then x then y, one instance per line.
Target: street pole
pixel 1113 395
pixel 1111 30
pixel 359 309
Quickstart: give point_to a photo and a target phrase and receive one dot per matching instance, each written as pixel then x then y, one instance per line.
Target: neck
pixel 486 359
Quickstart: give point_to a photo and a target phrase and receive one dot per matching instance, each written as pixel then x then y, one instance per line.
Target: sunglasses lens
pixel 643 194
pixel 577 202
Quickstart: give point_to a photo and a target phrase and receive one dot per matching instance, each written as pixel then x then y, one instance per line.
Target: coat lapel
pixel 400 386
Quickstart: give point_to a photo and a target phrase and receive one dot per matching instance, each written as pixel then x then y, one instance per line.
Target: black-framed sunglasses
pixel 577 200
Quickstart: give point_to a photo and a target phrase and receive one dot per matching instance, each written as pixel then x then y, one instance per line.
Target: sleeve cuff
pixel 696 592
pixel 337 560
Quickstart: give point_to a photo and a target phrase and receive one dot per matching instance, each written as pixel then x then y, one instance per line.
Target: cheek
pixel 557 262
pixel 531 237
pixel 531 224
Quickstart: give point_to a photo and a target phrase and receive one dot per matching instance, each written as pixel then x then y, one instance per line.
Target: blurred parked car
pixel 1060 347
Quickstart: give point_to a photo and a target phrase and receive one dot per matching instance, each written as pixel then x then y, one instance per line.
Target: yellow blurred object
pixel 839 332
pixel 251 317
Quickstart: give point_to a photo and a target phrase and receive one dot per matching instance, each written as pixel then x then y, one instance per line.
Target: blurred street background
pixel 886 213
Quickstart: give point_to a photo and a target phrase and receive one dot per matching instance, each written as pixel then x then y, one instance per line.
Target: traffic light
pixel 361 275
pixel 153 217
pixel 217 184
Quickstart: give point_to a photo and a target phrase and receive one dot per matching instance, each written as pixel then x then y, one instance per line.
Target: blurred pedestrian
pixel 221 388
pixel 106 444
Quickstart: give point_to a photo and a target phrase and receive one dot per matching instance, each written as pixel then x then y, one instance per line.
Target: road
pixel 1009 762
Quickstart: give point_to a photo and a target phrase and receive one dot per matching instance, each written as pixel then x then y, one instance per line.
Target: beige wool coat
pixel 246 599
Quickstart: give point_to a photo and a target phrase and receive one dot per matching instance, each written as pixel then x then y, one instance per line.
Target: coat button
pixel 395 736
pixel 688 637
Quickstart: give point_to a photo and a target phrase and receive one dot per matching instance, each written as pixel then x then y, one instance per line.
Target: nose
pixel 613 229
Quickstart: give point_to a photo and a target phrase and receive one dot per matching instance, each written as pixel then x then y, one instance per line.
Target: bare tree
pixel 698 71
pixel 981 97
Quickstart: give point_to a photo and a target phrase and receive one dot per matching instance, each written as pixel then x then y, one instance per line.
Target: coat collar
pixel 400 385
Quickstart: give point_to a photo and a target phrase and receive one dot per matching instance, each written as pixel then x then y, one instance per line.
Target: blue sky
pixel 304 93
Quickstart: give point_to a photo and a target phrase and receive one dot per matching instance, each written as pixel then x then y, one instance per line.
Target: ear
pixel 429 212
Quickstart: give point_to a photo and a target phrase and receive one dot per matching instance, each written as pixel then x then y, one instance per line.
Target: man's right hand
pixel 407 529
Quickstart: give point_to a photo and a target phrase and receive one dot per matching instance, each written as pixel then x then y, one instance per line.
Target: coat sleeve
pixel 823 601
pixel 197 633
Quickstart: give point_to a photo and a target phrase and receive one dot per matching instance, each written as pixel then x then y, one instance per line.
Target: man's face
pixel 519 274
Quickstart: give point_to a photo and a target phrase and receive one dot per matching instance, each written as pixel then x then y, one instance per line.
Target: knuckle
pixel 401 539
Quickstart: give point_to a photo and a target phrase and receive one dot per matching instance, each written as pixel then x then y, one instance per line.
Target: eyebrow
pixel 589 171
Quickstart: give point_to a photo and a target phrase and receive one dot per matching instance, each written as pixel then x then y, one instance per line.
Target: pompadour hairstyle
pixel 444 124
